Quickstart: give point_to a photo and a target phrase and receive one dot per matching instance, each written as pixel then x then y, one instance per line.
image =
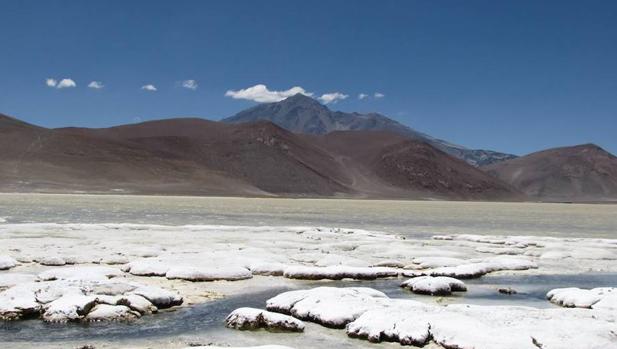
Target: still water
pixel 208 319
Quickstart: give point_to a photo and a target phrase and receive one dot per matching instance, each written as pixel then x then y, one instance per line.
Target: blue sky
pixel 515 76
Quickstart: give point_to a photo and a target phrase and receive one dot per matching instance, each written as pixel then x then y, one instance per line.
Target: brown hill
pixel 200 157
pixel 383 163
pixel 579 173
pixel 181 156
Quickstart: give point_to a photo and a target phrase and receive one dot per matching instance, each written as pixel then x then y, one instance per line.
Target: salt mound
pixel 474 270
pixel 597 298
pixel 252 318
pixel 395 325
pixel 268 269
pixel 75 300
pixel 79 273
pixel 339 272
pixel 435 286
pixel 329 306
pixel 55 261
pixel 7 262
pixel 106 312
pixel 230 273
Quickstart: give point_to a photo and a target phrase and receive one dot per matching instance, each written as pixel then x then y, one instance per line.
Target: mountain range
pixel 201 157
pixel 303 114
pixel 302 150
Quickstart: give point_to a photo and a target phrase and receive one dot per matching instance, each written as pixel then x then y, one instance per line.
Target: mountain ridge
pixel 303 114
pixel 191 156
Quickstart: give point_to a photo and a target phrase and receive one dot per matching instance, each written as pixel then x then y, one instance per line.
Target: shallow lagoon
pixel 205 323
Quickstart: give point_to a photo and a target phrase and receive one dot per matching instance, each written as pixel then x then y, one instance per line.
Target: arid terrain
pixel 293 148
pixel 581 173
pixel 200 157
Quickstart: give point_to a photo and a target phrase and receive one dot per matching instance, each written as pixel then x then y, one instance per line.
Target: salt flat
pixel 76 262
pixel 410 218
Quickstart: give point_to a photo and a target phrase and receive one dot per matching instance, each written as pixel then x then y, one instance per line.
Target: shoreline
pixel 308 197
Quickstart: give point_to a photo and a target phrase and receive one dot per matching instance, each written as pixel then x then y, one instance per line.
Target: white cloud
pixel 51 82
pixel 190 84
pixel 379 95
pixel 260 93
pixel 66 83
pixel 96 85
pixel 332 97
pixel 149 87
pixel 362 96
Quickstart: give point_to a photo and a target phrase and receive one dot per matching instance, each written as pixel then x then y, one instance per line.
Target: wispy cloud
pixel 376 95
pixel 260 93
pixel 190 84
pixel 332 97
pixel 149 87
pixel 96 85
pixel 51 82
pixel 66 83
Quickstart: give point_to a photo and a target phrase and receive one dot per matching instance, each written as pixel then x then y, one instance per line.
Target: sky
pixel 514 76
